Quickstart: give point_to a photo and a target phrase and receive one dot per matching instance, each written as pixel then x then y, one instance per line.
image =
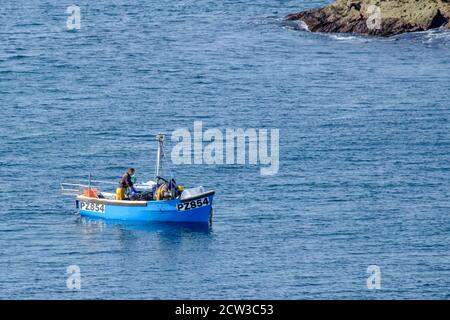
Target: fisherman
pixel 126 182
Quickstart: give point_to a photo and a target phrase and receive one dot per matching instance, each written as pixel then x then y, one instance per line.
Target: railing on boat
pixel 74 189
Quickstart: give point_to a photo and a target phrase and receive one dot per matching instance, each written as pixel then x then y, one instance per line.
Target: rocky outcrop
pixel 372 17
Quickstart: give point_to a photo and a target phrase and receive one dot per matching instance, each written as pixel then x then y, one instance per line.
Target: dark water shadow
pixel 92 225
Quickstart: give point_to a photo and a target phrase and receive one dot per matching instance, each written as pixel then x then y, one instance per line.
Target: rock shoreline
pixel 377 18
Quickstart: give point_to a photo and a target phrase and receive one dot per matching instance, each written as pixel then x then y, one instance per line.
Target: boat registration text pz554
pixel 189 205
pixel 91 206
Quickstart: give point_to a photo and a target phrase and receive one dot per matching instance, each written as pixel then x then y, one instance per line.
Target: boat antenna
pixel 160 153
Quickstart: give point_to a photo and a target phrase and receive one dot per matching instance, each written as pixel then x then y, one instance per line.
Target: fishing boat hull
pixel 198 209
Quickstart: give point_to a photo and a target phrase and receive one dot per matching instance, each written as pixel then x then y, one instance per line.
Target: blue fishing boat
pixel 160 200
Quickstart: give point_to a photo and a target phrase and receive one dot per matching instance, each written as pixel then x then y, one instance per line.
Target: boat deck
pixel 128 203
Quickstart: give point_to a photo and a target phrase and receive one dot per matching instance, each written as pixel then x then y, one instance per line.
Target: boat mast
pixel 160 153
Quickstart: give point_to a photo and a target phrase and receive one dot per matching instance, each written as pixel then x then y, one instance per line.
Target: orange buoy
pixel 90 192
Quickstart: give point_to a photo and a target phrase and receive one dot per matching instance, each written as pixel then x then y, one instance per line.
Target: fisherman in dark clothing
pixel 125 182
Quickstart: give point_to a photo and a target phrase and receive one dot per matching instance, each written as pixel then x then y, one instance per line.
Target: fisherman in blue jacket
pixel 126 183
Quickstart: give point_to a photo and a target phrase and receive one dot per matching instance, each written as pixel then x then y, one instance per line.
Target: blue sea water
pixel 364 152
